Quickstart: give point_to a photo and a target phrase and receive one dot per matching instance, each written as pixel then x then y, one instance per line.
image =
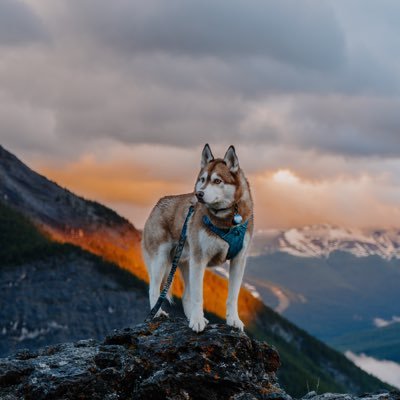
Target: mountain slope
pixel 19 239
pixel 53 292
pixel 306 361
pixel 66 217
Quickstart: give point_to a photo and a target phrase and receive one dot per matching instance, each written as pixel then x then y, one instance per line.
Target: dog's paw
pixel 235 322
pixel 198 323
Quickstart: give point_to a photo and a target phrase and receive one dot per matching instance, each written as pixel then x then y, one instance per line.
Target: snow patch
pixel 26 334
pixel 321 240
pixel 381 323
pixel 252 289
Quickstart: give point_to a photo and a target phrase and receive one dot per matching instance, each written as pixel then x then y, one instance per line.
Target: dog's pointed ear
pixel 206 156
pixel 231 159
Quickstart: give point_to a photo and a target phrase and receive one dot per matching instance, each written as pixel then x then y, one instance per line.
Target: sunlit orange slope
pixel 122 246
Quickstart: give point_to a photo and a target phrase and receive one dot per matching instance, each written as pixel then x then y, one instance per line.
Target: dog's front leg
pixel 236 271
pixel 196 276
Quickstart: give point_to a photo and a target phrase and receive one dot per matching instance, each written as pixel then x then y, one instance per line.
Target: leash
pixel 177 256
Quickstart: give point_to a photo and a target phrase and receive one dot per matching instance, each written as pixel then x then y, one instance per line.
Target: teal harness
pixel 234 236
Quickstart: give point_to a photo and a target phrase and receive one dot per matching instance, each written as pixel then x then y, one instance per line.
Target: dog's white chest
pixel 213 248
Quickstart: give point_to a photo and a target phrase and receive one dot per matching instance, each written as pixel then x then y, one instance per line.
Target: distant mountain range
pixel 331 296
pixel 323 240
pixel 339 284
pixel 61 279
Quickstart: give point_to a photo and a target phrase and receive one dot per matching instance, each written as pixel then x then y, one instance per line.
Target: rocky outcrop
pixel 162 359
pixel 158 360
pixel 394 395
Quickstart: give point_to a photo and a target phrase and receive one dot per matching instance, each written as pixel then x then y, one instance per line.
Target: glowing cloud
pixel 285 176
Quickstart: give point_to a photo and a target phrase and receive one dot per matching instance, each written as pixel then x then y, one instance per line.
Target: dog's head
pixel 217 181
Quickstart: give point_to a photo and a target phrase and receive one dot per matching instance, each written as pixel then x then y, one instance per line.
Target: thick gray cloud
pixel 357 126
pixel 136 88
pixel 350 126
pixel 19 24
pixel 284 30
pixel 180 73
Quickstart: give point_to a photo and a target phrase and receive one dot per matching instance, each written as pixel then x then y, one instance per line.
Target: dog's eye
pixel 201 180
pixel 217 181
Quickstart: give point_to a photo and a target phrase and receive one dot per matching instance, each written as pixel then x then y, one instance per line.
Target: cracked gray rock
pixel 393 395
pixel 162 359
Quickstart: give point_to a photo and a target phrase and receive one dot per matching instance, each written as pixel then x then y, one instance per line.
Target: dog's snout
pixel 200 194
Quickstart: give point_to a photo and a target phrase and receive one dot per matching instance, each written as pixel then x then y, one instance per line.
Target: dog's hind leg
pixel 157 268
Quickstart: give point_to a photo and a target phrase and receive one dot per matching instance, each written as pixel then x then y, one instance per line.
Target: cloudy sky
pixel 115 100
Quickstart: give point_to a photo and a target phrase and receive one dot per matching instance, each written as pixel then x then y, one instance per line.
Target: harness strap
pixel 234 236
pixel 175 260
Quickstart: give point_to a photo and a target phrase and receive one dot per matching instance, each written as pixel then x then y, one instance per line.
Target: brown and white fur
pixel 221 184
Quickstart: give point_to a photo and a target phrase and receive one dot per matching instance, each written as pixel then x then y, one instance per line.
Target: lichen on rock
pixel 157 360
pixel 161 359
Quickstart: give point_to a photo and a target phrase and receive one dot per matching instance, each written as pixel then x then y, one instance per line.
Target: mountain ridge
pixel 322 240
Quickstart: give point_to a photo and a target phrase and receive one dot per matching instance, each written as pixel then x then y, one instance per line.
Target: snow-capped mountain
pixel 322 240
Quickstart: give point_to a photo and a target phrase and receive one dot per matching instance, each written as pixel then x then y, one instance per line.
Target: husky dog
pixel 223 207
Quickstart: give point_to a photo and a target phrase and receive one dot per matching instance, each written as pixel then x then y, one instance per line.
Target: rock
pixel 163 359
pixel 393 395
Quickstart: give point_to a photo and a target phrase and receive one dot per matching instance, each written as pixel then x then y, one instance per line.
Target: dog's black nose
pixel 200 194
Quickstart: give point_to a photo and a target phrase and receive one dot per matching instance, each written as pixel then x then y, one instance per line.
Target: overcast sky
pixel 115 99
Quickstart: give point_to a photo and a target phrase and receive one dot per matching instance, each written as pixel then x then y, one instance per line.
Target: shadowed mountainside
pixel 53 292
